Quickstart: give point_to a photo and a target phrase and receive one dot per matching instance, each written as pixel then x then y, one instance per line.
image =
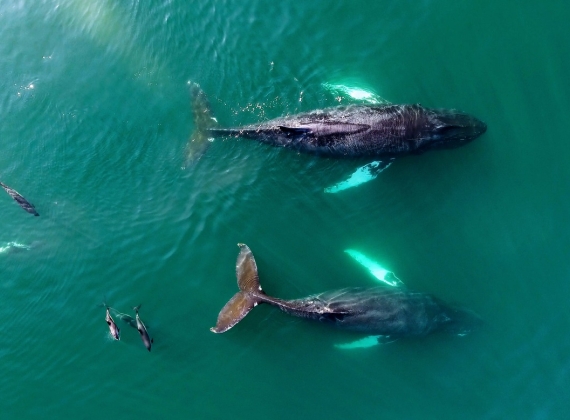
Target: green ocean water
pixel 95 120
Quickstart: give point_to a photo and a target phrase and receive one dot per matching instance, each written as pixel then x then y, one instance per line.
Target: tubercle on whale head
pixel 448 129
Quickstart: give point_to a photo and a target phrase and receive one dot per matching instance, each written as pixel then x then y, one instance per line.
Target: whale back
pixel 385 311
pixel 363 130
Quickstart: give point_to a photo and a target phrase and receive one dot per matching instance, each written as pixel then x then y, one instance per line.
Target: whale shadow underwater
pixel 380 132
pixel 386 312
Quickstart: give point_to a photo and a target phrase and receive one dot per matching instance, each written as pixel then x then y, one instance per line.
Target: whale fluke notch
pixel 248 296
pixel 25 204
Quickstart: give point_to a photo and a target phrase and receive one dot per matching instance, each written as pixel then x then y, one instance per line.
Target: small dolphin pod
pixel 136 322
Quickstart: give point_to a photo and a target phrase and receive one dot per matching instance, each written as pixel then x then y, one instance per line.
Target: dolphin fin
pixel 383 275
pixel 363 174
pixel 247 298
pixel 204 120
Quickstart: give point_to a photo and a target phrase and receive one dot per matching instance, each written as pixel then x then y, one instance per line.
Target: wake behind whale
pixel 387 312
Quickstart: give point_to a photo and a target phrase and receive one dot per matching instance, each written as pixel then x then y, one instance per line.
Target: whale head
pixel 448 129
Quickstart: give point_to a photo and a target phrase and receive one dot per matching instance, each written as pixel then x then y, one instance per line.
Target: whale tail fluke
pixel 250 293
pixel 203 121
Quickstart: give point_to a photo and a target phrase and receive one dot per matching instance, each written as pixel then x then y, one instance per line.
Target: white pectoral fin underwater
pixel 363 174
pixel 12 247
pixel 366 342
pixel 385 276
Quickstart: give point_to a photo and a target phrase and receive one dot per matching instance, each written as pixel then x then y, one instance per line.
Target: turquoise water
pixel 95 120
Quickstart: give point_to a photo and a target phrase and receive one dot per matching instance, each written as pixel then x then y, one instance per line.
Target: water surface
pixel 95 118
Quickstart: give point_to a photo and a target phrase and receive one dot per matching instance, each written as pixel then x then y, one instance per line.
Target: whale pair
pixel 380 132
pixel 385 312
pixel 137 323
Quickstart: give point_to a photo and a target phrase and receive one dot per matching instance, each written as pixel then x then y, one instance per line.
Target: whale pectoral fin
pixel 383 275
pixel 370 341
pixel 363 174
pixel 294 131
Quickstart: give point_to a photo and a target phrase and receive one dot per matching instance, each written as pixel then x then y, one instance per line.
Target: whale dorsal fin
pixel 326 128
pixel 295 131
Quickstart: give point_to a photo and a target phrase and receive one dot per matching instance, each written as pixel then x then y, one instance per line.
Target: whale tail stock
pixel 250 293
pixel 204 120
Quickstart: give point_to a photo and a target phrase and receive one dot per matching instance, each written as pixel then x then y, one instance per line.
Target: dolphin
pixel 113 328
pixel 25 204
pixel 382 311
pixel 147 341
pixel 381 132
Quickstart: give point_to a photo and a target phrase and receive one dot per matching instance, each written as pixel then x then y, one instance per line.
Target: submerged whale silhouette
pixel 378 131
pixel 382 311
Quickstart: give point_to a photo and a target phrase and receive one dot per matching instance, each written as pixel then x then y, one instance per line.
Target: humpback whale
pixel 382 311
pixel 382 132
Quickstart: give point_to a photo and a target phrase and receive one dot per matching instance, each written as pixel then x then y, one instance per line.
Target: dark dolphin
pixel 147 341
pixel 25 204
pixel 353 131
pixel 379 311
